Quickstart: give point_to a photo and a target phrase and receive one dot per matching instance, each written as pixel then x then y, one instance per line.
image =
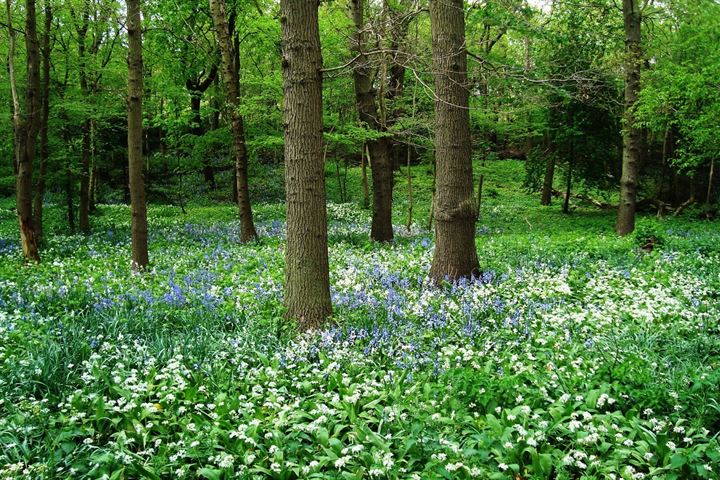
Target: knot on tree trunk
pixel 465 209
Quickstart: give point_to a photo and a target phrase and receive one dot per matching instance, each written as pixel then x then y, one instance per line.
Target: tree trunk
pixel 197 86
pixel 363 166
pixel 632 135
pixel 230 76
pixel 139 227
pixel 69 198
pixel 25 128
pixel 455 252
pixel 307 286
pixel 547 189
pixel 711 178
pixel 381 229
pixel 84 206
pixel 44 116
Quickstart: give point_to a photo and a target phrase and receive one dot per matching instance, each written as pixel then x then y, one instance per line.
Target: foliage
pixel 540 368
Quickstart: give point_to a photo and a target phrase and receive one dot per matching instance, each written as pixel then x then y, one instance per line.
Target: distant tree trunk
pixel 711 178
pixel 568 187
pixel 381 229
pixel 84 206
pixel 547 188
pixel 69 198
pixel 25 127
pixel 44 116
pixel 307 286
pixel 632 135
pixel 455 252
pixel 139 227
pixel 363 166
pixel 197 86
pixel 232 81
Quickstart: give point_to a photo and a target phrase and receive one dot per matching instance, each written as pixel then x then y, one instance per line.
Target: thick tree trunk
pixel 632 135
pixel 25 127
pixel 139 227
pixel 455 252
pixel 44 116
pixel 381 229
pixel 232 81
pixel 307 287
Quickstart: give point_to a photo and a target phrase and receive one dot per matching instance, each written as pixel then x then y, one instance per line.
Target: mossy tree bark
pixel 139 227
pixel 307 288
pixel 454 206
pixel 25 125
pixel 230 75
pixel 632 134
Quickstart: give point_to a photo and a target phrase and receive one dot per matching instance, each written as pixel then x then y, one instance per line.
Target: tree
pixel 93 31
pixel 135 133
pixel 307 286
pixel 25 127
pixel 381 229
pixel 632 134
pixel 455 208
pixel 44 118
pixel 230 74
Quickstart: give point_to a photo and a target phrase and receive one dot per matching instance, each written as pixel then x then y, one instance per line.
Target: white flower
pixel 503 467
pixel 340 462
pixel 671 446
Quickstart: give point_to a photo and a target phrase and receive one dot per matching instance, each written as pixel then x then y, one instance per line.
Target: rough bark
pixel 632 135
pixel 139 227
pixel 231 79
pixel 44 116
pixel 381 229
pixel 307 289
pixel 25 127
pixel 455 252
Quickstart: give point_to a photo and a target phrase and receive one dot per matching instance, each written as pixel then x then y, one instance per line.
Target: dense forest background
pixel 546 86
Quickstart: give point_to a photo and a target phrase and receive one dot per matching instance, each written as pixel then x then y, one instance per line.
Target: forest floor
pixel 577 354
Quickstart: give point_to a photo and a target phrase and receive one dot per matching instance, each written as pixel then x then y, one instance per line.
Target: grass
pixel 576 355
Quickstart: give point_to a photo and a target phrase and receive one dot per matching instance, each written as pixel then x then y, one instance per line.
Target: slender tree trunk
pixel 408 224
pixel 307 286
pixel 84 206
pixel 366 97
pixel 363 166
pixel 632 134
pixel 711 178
pixel 139 226
pixel 69 202
pixel 45 114
pixel 568 186
pixel 25 127
pixel 230 69
pixel 546 197
pixel 455 252
pixel 197 86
